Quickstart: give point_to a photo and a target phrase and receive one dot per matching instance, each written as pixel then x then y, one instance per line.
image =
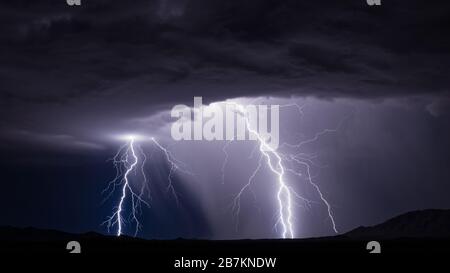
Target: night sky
pixel 74 78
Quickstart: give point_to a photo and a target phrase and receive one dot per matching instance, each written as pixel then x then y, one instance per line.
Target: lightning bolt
pixel 128 161
pixel 303 160
pixel 175 165
pixel 237 199
pixel 275 161
pixel 225 161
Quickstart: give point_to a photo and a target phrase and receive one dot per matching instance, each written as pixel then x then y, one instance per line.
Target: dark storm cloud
pixel 297 47
pixel 67 70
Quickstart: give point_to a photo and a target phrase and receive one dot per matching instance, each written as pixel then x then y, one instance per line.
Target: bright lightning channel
pixel 274 160
pixel 127 161
pixel 130 158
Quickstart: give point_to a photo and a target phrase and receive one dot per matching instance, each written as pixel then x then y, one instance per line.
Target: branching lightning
pixel 276 162
pixel 175 165
pixel 284 164
pixel 127 159
pixel 130 162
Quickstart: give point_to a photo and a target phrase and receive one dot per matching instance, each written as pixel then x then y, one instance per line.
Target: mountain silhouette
pixel 416 231
pixel 431 223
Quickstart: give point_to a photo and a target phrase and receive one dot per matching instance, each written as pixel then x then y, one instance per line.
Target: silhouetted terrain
pixel 430 223
pixel 419 231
